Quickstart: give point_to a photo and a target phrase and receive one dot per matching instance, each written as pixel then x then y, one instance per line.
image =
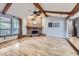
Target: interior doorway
pixel 74 28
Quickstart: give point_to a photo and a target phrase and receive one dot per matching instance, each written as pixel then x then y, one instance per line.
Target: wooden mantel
pixel 33 27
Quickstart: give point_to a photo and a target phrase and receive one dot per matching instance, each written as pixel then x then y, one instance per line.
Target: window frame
pixel 11 28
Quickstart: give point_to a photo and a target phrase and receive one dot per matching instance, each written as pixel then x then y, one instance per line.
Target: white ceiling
pixel 2 6
pixel 63 7
pixel 22 10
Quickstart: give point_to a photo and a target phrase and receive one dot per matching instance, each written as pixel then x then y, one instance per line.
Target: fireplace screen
pixel 34 32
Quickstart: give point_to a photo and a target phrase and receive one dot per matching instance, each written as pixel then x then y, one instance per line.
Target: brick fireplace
pixel 34 26
pixel 34 31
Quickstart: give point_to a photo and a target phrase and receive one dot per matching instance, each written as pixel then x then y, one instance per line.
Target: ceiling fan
pixel 35 12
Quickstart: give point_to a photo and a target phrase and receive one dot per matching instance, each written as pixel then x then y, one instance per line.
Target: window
pixel 9 26
pixel 15 26
pixel 50 24
pixel 5 26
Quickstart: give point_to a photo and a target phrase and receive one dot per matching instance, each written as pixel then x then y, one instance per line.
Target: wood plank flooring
pixel 37 46
pixel 75 42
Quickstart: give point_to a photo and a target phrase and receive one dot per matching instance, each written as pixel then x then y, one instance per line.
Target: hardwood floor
pixel 37 46
pixel 75 42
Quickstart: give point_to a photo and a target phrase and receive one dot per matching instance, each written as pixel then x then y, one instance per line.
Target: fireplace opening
pixel 34 32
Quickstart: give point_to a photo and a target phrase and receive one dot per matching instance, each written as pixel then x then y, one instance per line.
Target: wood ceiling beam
pixel 6 8
pixel 56 12
pixel 74 11
pixel 40 8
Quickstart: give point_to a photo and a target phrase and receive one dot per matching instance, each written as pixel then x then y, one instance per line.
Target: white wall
pixel 24 30
pixel 54 31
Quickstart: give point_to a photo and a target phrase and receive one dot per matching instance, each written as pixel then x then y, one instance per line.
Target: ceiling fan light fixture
pixel 37 12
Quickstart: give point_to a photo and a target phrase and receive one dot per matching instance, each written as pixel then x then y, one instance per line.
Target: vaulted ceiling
pixel 2 6
pixel 23 10
pixel 58 9
pixel 61 7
